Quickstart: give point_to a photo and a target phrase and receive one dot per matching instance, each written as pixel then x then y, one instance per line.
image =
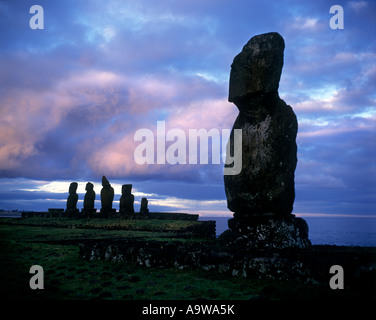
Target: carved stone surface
pixel 267 233
pixel 89 198
pixel 262 194
pixel 72 198
pixel 107 196
pixel 269 128
pixel 144 206
pixel 127 199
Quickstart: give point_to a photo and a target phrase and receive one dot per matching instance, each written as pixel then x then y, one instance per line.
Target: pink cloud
pixel 206 114
pixel 27 116
pixel 117 157
pixel 116 105
pixel 326 132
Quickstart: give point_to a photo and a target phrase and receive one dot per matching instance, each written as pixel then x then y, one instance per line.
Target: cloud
pixel 30 118
pixel 358 5
pixel 338 160
pixel 93 115
pixel 117 157
pixel 306 24
pixel 176 196
pixel 73 95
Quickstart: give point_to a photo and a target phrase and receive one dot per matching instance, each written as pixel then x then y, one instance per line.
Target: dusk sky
pixel 73 95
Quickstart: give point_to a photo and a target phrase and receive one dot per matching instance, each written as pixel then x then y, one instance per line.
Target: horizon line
pixel 225 214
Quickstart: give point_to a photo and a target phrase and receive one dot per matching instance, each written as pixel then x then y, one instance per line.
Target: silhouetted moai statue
pixel 127 199
pixel 262 194
pixel 72 198
pixel 269 127
pixel 144 206
pixel 107 196
pixel 89 198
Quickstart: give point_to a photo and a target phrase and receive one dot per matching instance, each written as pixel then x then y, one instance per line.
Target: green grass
pixel 108 224
pixel 66 276
pixel 60 229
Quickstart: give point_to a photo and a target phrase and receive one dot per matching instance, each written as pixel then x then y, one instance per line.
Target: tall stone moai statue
pixel 107 196
pixel 264 189
pixel 72 198
pixel 89 198
pixel 126 199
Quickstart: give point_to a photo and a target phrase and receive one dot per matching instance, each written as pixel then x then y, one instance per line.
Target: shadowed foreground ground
pixel 66 276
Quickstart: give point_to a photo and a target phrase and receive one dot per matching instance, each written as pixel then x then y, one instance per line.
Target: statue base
pixel 71 212
pixel 112 210
pixel 267 232
pixel 88 211
pixel 125 212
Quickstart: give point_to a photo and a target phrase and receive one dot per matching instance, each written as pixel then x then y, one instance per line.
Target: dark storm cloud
pixel 73 94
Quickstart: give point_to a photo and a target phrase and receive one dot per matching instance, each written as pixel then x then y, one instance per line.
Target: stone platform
pixel 58 213
pixel 310 265
pixel 267 233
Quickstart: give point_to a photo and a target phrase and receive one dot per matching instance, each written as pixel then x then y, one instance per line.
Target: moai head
pixel 126 189
pixel 73 197
pixel 257 69
pixel 144 206
pixel 105 183
pixel 73 187
pixel 89 198
pixel 89 186
pixel 144 203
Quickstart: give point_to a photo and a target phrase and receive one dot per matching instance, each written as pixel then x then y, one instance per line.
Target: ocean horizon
pixel 326 230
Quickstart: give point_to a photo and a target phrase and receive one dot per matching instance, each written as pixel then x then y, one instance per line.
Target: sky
pixel 73 95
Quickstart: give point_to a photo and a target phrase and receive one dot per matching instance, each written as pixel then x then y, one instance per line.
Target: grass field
pixel 108 224
pixel 66 276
